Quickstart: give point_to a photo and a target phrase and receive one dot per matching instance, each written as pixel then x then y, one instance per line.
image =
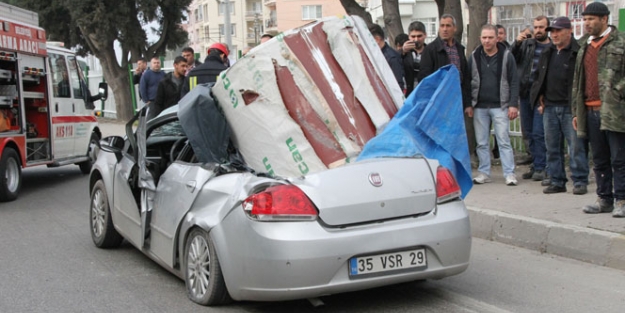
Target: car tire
pixel 202 272
pixel 103 231
pixel 10 175
pixel 92 153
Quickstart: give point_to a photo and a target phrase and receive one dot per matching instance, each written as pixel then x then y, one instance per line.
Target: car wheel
pixel 203 277
pixel 10 175
pixel 92 153
pixel 103 232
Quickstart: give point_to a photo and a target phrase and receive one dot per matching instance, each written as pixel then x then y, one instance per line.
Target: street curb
pixel 575 242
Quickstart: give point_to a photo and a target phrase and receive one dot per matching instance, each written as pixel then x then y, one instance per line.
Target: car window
pixel 171 129
pixel 75 78
pixel 60 76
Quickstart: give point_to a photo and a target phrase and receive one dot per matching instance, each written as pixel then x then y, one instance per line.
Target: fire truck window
pixel 75 76
pixel 60 77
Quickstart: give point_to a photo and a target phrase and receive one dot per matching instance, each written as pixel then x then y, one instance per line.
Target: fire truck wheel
pixel 10 175
pixel 92 153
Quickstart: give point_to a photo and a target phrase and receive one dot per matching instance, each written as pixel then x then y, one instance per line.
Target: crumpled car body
pixel 179 190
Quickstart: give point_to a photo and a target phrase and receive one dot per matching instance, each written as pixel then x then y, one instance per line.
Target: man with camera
pixel 411 54
pixel 526 51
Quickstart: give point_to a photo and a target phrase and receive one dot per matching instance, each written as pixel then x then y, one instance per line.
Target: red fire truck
pixel 46 109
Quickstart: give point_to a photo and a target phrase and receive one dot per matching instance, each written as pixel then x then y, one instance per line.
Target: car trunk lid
pixel 371 190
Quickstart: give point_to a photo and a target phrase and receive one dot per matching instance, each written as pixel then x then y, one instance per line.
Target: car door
pixel 82 118
pixel 61 106
pixel 177 190
pixel 125 211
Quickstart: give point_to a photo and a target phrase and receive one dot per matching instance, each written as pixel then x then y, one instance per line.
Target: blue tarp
pixel 431 123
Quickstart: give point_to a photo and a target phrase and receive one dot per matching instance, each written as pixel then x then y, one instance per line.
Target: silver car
pixel 232 233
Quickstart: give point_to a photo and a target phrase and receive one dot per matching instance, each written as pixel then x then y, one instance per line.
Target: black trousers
pixel 608 154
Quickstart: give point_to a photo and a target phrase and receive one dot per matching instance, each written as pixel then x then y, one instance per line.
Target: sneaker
pixel 554 189
pixel 538 175
pixel 580 190
pixel 546 182
pixel 619 209
pixel 529 174
pixel 482 178
pixel 600 206
pixel 511 180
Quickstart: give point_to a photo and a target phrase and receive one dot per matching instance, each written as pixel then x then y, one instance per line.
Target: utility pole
pixel 256 27
pixel 227 26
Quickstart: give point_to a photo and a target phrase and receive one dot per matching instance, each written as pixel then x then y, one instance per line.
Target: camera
pixel 528 36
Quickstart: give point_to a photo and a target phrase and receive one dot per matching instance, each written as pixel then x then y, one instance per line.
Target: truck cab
pixel 46 109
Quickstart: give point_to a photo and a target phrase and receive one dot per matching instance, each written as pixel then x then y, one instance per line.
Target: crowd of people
pixel 568 93
pixel 158 90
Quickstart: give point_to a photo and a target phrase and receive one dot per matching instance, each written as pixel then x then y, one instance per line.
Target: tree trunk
pixel 454 7
pixel 478 16
pixel 116 76
pixel 392 20
pixel 353 8
pixel 440 4
pixel 120 85
pixel 119 81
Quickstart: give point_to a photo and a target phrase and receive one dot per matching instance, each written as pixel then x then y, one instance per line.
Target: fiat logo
pixel 375 179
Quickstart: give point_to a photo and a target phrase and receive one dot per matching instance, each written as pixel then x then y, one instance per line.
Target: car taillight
pixel 280 203
pixel 447 187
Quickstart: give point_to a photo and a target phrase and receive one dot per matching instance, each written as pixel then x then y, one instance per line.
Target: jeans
pixel 558 127
pixel 533 131
pixel 608 154
pixel 481 121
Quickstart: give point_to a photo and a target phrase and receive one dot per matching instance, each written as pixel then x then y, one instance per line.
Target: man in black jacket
pixel 494 98
pixel 526 50
pixel 189 54
pixel 142 65
pixel 213 65
pixel 501 35
pixel 551 96
pixel 393 58
pixel 412 51
pixel 446 50
pixel 168 91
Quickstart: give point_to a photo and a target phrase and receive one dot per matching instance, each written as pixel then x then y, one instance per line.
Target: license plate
pixel 387 262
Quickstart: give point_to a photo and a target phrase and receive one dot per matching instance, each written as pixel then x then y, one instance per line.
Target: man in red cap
pixel 214 64
pixel 599 106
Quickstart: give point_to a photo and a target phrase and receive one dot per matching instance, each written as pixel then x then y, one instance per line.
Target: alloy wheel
pixel 98 213
pixel 198 266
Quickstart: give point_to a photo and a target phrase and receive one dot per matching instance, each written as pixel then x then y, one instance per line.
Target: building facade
pixel 250 19
pixel 206 24
pixel 424 11
pixel 516 15
pixel 281 15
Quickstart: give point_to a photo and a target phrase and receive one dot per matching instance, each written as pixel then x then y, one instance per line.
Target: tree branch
pixel 353 8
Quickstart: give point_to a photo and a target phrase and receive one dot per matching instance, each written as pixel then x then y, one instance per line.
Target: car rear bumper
pixel 265 261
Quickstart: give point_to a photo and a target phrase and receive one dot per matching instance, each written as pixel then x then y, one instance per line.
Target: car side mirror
pixel 103 91
pixel 113 144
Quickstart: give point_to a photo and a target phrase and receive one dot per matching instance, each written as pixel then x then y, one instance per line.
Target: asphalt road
pixel 49 264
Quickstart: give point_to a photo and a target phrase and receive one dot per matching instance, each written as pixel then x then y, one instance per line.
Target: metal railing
pixel 253 13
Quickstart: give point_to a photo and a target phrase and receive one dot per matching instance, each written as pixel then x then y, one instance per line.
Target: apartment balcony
pixel 271 25
pixel 251 15
pixel 269 3
pixel 251 39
